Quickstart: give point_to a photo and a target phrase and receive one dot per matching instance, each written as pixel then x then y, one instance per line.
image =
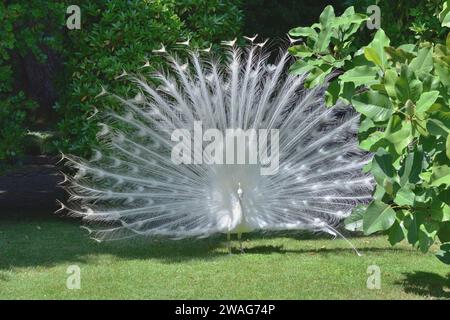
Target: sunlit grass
pixel 35 255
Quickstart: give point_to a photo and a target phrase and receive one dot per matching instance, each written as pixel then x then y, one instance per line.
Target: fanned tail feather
pixel 132 187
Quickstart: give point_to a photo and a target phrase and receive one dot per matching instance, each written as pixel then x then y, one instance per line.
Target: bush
pixel 407 21
pixel 403 96
pixel 15 107
pixel 115 36
pixel 26 28
pixel 210 21
pixel 13 115
pixel 119 36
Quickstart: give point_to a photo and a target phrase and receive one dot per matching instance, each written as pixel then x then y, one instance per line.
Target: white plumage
pixel 134 185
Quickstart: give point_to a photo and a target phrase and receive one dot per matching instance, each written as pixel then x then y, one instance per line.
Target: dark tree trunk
pixel 38 81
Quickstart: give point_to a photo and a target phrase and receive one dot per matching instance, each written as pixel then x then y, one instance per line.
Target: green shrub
pixel 406 21
pixel 403 95
pixel 119 36
pixel 13 116
pixel 210 21
pixel 115 36
pixel 25 27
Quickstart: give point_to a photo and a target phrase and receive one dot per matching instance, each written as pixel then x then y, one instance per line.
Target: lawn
pixel 35 255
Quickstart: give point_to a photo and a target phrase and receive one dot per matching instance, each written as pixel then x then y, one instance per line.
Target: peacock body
pixel 310 180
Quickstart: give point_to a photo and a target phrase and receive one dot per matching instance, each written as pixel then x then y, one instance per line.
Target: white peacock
pixel 133 186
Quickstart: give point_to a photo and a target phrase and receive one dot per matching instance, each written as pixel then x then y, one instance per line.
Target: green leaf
pixel 411 168
pixel 373 105
pixel 301 51
pixel 388 185
pixel 382 166
pixel 447 41
pixel 365 125
pixel 348 91
pixel 304 32
pixel 426 100
pixel 372 55
pixel 379 216
pixel 396 233
pixel 430 82
pixel 446 21
pixel 332 93
pixel 423 63
pixel 404 197
pixel 443 71
pixel 447 146
pixel 372 139
pixel 439 125
pixel 323 40
pixel 440 175
pixel 437 128
pixel 362 75
pixel 399 134
pixel 376 51
pixel 390 78
pixel 444 253
pixel 444 232
pixel 355 221
pixel 318 75
pixel 406 87
pixel 412 227
pixel 440 212
pixel 399 55
pixel 444 14
pixel 349 22
pixel 410 48
pixel 327 15
pixel 427 235
pixel 300 67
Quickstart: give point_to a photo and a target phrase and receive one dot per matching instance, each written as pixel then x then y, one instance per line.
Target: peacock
pixel 310 178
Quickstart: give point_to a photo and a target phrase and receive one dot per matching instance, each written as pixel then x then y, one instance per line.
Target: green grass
pixel 35 254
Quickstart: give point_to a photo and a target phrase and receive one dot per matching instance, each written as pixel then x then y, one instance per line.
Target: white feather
pixel 138 189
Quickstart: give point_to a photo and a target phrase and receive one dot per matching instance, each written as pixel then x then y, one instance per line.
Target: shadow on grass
pixel 427 284
pixel 269 249
pixel 34 242
pixel 4 276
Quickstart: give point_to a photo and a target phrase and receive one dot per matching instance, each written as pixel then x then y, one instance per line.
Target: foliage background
pixel 274 18
pixel 405 21
pixel 403 96
pixel 51 75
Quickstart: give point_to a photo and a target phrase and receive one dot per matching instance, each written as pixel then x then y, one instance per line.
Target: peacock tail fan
pixel 221 147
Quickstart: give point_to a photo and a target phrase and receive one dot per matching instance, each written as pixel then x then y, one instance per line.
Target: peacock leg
pixel 229 242
pixel 240 242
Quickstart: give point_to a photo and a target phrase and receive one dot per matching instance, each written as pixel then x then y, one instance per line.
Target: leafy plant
pixel 13 115
pixel 327 47
pixel 403 95
pixel 118 38
pixel 115 36
pixel 405 21
pixel 210 21
pixel 15 107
